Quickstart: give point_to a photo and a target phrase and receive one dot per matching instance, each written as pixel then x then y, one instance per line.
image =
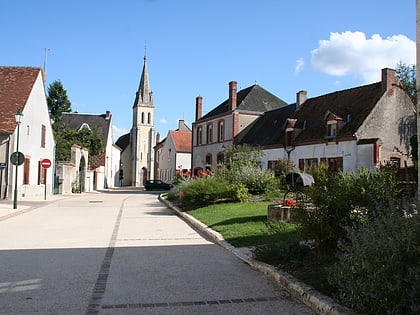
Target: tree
pixel 407 76
pixel 86 138
pixel 58 102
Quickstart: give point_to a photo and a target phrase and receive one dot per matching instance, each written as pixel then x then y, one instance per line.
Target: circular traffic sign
pixel 17 158
pixel 45 163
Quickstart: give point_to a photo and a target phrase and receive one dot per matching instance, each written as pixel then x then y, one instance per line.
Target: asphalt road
pixel 122 252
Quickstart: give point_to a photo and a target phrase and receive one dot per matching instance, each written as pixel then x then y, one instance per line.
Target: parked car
pixel 156 184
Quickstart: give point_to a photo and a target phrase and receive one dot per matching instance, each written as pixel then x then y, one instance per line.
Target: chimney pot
pixel 233 85
pixel 198 107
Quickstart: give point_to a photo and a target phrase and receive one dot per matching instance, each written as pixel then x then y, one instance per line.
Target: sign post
pixel 45 164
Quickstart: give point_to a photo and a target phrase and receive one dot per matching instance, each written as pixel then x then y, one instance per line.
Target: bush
pixel 207 190
pixel 378 270
pixel 257 181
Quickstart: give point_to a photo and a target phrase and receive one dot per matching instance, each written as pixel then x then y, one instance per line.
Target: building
pixel 137 158
pixel 224 126
pixel 173 154
pixel 22 89
pixel 105 166
pixel 361 127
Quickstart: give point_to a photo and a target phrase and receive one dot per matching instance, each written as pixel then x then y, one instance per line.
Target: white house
pixel 22 89
pixel 361 127
pixel 173 154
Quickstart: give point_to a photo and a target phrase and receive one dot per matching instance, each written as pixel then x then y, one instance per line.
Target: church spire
pixel 144 95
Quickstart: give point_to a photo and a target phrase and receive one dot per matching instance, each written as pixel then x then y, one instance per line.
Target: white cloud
pixel 163 121
pixel 299 65
pixel 118 132
pixel 352 53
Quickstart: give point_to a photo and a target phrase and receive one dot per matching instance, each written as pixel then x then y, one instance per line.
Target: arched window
pixel 142 118
pixel 209 133
pixel 221 131
pixel 148 118
pixel 199 135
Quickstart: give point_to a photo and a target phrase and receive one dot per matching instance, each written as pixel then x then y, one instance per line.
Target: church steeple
pixel 144 95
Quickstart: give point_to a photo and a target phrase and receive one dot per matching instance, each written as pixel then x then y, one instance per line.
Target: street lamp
pixel 18 117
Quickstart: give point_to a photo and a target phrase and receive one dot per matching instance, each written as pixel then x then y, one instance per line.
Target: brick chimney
pixel 301 97
pixel 388 79
pixel 233 85
pixel 107 115
pixel 198 107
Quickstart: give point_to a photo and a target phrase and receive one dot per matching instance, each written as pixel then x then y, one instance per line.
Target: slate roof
pixel 123 141
pixel 351 105
pixel 253 98
pixel 16 84
pixel 182 141
pixel 98 122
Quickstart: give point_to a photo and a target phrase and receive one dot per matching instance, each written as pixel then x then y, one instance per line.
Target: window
pixel 148 118
pixel 43 132
pixel 331 129
pixel 208 160
pixel 26 169
pixel 335 164
pixel 221 131
pixel 209 134
pixel 220 158
pixel 142 118
pixel 305 164
pixel 288 141
pixel 199 135
pixel 42 172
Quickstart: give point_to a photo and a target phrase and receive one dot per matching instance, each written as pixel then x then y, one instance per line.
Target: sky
pixel 196 47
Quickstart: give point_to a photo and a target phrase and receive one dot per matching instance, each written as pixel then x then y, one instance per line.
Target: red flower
pixel 289 203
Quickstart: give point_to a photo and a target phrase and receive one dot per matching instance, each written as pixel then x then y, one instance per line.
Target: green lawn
pixel 244 224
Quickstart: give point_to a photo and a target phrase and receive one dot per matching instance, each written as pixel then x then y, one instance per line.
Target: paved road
pixel 122 252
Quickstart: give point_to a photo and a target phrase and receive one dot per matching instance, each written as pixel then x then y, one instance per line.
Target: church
pixel 137 158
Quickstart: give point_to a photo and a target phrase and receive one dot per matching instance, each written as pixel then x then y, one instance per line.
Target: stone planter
pixel 277 212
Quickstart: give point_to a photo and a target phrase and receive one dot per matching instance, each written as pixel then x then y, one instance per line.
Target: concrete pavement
pixel 123 252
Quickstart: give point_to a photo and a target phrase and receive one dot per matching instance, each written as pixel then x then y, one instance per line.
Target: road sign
pixel 45 163
pixel 17 158
pixel 3 165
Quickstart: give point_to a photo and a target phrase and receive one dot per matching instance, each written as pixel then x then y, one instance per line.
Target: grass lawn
pixel 246 224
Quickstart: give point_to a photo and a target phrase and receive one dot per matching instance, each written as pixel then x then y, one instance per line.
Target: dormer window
pixel 331 129
pixel 334 123
pixel 288 141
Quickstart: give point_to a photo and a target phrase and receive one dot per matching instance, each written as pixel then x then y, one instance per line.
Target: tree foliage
pixel 86 138
pixel 407 76
pixel 58 102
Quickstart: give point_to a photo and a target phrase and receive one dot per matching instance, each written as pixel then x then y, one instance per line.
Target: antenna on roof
pixel 45 58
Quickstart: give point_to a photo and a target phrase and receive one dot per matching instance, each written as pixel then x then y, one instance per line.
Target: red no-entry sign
pixel 45 163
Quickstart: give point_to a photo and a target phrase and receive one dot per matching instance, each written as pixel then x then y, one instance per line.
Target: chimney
pixel 388 79
pixel 232 95
pixel 198 107
pixel 107 115
pixel 301 97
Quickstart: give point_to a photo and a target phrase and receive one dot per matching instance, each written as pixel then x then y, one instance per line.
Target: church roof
pixel 123 141
pixel 144 95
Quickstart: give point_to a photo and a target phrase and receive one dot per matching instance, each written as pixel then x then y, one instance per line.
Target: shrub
pixel 207 190
pixel 378 270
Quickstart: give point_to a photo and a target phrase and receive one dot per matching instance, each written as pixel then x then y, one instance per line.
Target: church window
pixel 209 134
pixel 142 118
pixel 148 118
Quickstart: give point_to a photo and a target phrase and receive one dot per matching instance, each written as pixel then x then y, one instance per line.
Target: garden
pixel 354 238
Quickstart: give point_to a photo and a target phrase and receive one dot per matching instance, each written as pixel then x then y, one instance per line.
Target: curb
pixel 318 302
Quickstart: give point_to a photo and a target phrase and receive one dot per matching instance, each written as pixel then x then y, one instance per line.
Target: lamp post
pixel 18 117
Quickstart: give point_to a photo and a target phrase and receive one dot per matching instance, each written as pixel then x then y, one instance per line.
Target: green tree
pixel 407 76
pixel 66 137
pixel 58 102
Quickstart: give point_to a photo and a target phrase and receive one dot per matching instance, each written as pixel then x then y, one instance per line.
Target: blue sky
pixel 195 47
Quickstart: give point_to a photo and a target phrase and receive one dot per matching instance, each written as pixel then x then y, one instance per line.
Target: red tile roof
pixel 16 84
pixel 182 140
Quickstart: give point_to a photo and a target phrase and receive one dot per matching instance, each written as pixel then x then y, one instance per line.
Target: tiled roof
pixel 99 122
pixel 16 84
pixel 254 98
pixel 182 140
pixel 352 105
